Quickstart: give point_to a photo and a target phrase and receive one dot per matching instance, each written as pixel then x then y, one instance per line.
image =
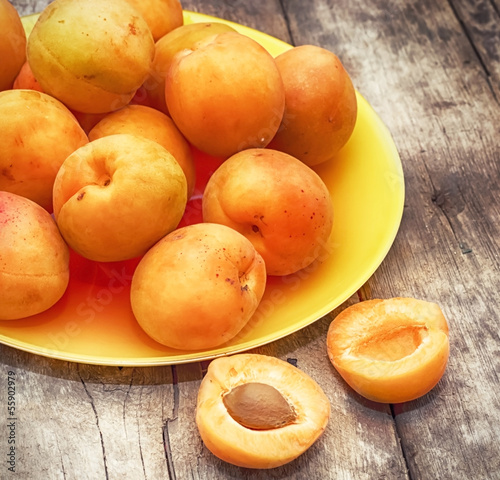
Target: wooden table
pixel 431 70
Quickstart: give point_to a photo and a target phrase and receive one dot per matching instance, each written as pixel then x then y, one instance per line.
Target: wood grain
pixel 431 70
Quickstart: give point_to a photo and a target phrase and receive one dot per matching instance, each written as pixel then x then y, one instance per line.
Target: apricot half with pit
pixel 390 351
pixel 257 411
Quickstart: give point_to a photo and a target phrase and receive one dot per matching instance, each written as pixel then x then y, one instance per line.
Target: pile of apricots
pixel 106 109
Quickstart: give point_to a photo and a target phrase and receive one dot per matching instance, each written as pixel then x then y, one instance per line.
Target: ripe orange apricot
pixel 26 80
pixel 225 94
pixel 197 287
pixel 117 196
pixel 257 411
pixel 162 16
pixel 34 259
pixel 392 350
pixel 281 205
pixel 185 36
pixel 155 125
pixel 92 55
pixel 320 106
pixel 12 44
pixel 31 155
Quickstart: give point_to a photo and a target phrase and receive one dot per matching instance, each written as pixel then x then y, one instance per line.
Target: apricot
pixel 320 105
pixel 225 94
pixel 257 411
pixel 34 259
pixel 117 196
pixel 92 55
pixel 183 37
pixel 390 351
pixel 155 125
pixel 25 80
pixel 12 44
pixel 197 287
pixel 281 205
pixel 37 133
pixel 162 16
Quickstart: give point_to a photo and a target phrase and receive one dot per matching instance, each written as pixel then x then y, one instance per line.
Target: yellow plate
pixel 93 322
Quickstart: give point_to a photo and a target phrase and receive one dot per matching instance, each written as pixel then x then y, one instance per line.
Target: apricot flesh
pixel 262 448
pixel 281 205
pixel 197 287
pixel 392 350
pixel 34 259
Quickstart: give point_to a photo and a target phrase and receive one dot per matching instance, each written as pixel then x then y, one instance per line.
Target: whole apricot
pixel 37 133
pixel 183 37
pixel 320 104
pixel 197 287
pixel 162 16
pixel 280 204
pixel 25 80
pixel 12 44
pixel 34 259
pixel 257 411
pixel 91 55
pixel 117 196
pixel 225 94
pixel 392 350
pixel 155 125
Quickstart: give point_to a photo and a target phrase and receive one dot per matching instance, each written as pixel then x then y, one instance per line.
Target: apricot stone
pixel 257 411
pixel 34 259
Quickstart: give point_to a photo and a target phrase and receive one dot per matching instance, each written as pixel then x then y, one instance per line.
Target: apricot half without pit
pixel 392 350
pixel 257 411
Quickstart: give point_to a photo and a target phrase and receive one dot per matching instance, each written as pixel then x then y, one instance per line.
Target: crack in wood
pixel 475 49
pixel 166 433
pixel 287 21
pixel 96 415
pixel 404 453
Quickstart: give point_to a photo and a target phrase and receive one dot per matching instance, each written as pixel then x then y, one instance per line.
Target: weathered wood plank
pixel 419 70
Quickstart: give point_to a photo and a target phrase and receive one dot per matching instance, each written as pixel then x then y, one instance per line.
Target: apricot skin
pixel 162 16
pixel 117 196
pixel 236 444
pixel 320 105
pixel 281 205
pixel 197 287
pixel 31 156
pixel 12 44
pixel 390 351
pixel 180 38
pixel 34 259
pixel 92 55
pixel 155 125
pixel 225 94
